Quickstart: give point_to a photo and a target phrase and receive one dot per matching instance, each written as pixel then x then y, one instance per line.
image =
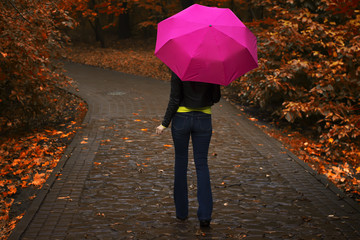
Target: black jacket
pixel 191 95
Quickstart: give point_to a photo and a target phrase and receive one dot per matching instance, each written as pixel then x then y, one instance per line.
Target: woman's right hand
pixel 160 129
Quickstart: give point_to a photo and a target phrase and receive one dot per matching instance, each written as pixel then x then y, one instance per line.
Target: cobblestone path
pixel 117 180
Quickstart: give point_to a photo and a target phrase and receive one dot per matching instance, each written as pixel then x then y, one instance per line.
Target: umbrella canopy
pixel 206 44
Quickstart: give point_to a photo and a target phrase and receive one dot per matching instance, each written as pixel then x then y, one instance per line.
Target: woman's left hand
pixel 160 129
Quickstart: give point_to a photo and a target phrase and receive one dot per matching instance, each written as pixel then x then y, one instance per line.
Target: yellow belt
pixel 183 109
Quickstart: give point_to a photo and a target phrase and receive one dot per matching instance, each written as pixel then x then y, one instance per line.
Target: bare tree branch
pixel 13 5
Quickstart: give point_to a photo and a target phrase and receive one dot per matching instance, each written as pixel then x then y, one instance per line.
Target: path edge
pixel 319 177
pixel 31 211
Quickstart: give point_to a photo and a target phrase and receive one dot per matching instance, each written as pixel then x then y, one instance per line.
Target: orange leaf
pixel 23 184
pixel 4 54
pixel 39 179
pixel 18 171
pixel 2 183
pixel 25 177
pixel 12 189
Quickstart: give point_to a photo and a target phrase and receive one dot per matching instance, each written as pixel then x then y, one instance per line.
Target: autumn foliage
pixel 308 79
pixel 31 37
pixel 31 99
pixel 113 16
pixel 309 74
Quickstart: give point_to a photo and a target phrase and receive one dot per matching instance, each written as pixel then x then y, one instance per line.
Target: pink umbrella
pixel 206 44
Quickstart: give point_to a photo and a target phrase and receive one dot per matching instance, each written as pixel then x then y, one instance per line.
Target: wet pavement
pixel 115 180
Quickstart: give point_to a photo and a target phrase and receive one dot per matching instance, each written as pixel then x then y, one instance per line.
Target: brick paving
pixel 115 180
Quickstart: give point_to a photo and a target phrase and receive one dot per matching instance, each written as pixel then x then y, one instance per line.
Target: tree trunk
pixel 99 35
pixel 187 3
pixel 124 23
pixel 232 5
pixel 255 12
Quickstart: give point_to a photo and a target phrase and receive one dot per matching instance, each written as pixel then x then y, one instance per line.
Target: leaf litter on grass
pixel 28 158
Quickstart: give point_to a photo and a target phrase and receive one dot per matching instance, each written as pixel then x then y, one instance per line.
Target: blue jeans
pixel 198 126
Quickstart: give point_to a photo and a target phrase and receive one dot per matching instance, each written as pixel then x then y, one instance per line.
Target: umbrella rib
pixel 216 35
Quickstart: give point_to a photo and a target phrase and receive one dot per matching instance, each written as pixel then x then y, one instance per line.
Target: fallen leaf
pixel 32 197
pixel 4 54
pixel 39 179
pixel 65 198
pixel 12 189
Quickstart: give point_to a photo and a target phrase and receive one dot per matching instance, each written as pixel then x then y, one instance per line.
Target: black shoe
pixel 181 219
pixel 204 223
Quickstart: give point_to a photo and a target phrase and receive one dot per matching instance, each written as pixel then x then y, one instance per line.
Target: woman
pixel 189 109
